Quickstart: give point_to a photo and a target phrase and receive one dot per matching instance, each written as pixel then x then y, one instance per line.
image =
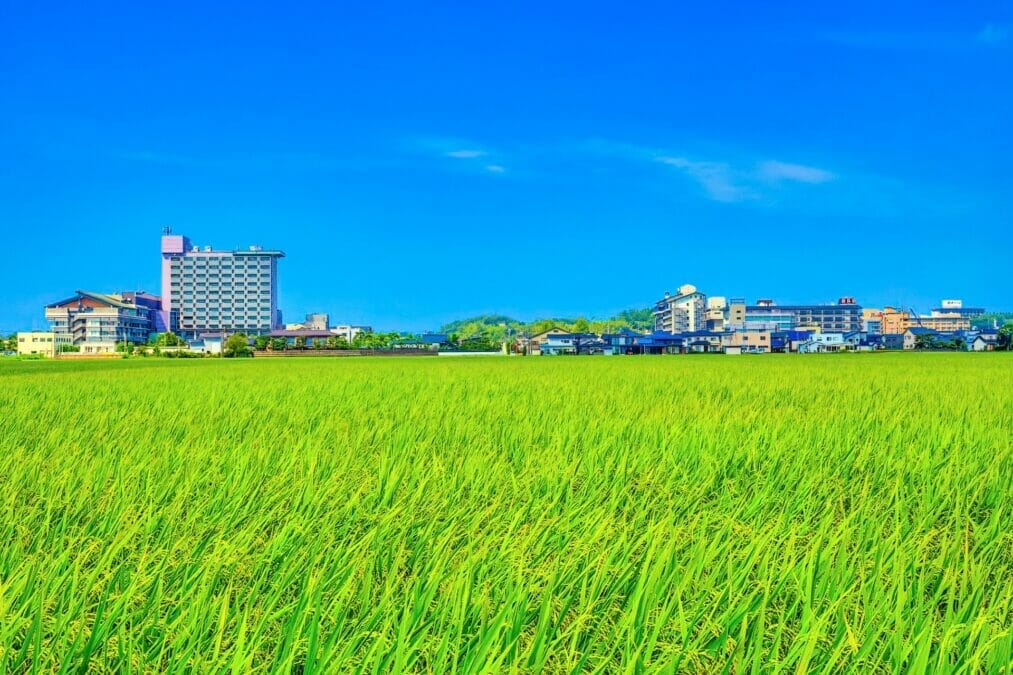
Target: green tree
pixel 279 344
pixel 1004 340
pixel 169 339
pixel 260 342
pixel 300 342
pixel 581 325
pixel 236 346
pixel 68 348
pixel 337 342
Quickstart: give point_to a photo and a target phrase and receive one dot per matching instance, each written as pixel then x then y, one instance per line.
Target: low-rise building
pixel 301 336
pixel 983 341
pixel 42 343
pixel 622 341
pixel 754 341
pixel 659 342
pixel 820 343
pixel 893 341
pixel 927 338
pixel 788 341
pixel 349 332
pixel 533 345
pixel 572 343
pixel 704 341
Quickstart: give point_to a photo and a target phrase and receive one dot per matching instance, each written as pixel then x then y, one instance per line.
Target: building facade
pixel 944 323
pixel 872 320
pixel 315 321
pixel 896 322
pixel 208 291
pixel 97 321
pixel 684 311
pixel 748 341
pixel 956 307
pixel 842 317
pixel 42 343
pixel 350 332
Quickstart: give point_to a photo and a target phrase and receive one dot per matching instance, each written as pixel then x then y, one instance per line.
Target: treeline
pixel 990 319
pixel 496 328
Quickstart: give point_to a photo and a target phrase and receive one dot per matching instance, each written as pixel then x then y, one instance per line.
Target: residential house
pixel 893 340
pixel 984 341
pixel 703 341
pixel 304 336
pixel 660 342
pixel 917 335
pixel 622 341
pixel 434 341
pixel 533 345
pixel 820 343
pixel 572 343
pixel 788 341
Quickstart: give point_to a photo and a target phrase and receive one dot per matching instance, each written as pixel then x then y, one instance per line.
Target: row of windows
pixel 225 265
pixel 237 303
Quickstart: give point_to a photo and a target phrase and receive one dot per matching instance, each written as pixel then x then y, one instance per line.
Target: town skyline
pixel 38 322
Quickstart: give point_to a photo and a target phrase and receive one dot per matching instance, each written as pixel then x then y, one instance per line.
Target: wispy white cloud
pixel 993 34
pixel 725 181
pixel 718 179
pixel 774 171
pixel 466 154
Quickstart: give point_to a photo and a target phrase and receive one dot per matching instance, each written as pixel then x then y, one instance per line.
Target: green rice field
pixel 697 514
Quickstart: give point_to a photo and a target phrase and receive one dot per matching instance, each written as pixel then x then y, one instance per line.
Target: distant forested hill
pixel 498 326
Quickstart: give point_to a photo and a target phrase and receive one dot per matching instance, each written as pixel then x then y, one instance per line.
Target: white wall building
pixel 685 311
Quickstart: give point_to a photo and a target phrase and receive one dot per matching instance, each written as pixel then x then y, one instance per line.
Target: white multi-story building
pixel 682 312
pixel 210 291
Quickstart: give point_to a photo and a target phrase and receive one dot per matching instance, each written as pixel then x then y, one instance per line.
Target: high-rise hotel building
pixel 209 291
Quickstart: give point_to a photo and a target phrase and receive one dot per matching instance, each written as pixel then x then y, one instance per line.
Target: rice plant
pixel 614 515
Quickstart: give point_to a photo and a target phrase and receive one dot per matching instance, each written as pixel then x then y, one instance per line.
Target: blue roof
pixel 659 338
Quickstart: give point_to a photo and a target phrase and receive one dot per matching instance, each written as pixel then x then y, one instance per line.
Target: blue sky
pixel 420 162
